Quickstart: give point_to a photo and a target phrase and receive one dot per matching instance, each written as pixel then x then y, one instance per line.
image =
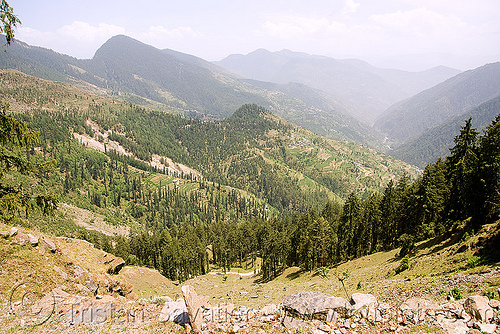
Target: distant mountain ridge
pixel 410 118
pixel 367 89
pixel 169 80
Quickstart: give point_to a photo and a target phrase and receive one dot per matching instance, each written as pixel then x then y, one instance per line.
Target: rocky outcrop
pixel 359 300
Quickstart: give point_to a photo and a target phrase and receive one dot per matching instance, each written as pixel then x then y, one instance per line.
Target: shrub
pixel 455 292
pixel 404 265
pixel 473 261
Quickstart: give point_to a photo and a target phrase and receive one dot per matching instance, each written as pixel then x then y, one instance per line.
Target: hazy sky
pixel 459 33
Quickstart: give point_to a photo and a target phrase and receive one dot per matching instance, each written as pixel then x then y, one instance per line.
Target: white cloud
pixel 419 22
pixel 350 6
pixel 297 26
pixel 85 32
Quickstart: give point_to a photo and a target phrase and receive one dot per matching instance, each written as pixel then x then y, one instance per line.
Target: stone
pixel 194 304
pixel 269 309
pixel 416 304
pixel 33 240
pixel 78 271
pixel 454 326
pixel 175 311
pixel 294 325
pixel 92 286
pixel 478 308
pixel 51 246
pixel 13 231
pixel 4 234
pixel 359 300
pixel 312 302
pixel 485 328
pixel 488 328
pixel 61 273
pixel 494 303
pixel 116 266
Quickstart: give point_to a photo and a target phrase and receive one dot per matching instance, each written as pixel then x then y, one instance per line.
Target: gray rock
pixel 13 231
pixel 116 266
pixel 92 286
pixel 359 300
pixel 194 304
pixel 49 244
pixel 487 328
pixel 419 304
pixel 312 302
pixel 175 311
pixel 478 308
pixel 33 240
pixel 454 326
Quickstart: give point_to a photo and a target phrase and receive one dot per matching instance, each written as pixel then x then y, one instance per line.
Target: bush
pixel 407 243
pixel 473 261
pixel 455 292
pixel 404 265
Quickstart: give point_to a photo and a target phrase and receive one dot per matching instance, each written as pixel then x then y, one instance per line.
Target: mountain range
pixel 367 89
pixel 168 80
pixel 334 98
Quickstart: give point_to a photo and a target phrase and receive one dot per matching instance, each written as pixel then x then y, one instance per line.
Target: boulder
pixel 33 240
pixel 116 266
pixel 454 326
pixel 478 308
pixel 485 328
pixel 194 304
pixel 312 302
pixel 92 286
pixel 13 231
pixel 49 244
pixel 4 234
pixel 175 311
pixel 416 304
pixel 494 303
pixel 21 239
pixel 359 300
pixel 269 309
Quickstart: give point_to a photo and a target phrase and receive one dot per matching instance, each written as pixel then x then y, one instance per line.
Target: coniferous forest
pixel 245 200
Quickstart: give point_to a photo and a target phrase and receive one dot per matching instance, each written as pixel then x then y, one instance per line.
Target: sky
pixel 406 34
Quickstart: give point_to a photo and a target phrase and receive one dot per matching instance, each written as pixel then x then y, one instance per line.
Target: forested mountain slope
pixel 437 141
pixel 127 69
pixel 410 118
pixel 253 150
